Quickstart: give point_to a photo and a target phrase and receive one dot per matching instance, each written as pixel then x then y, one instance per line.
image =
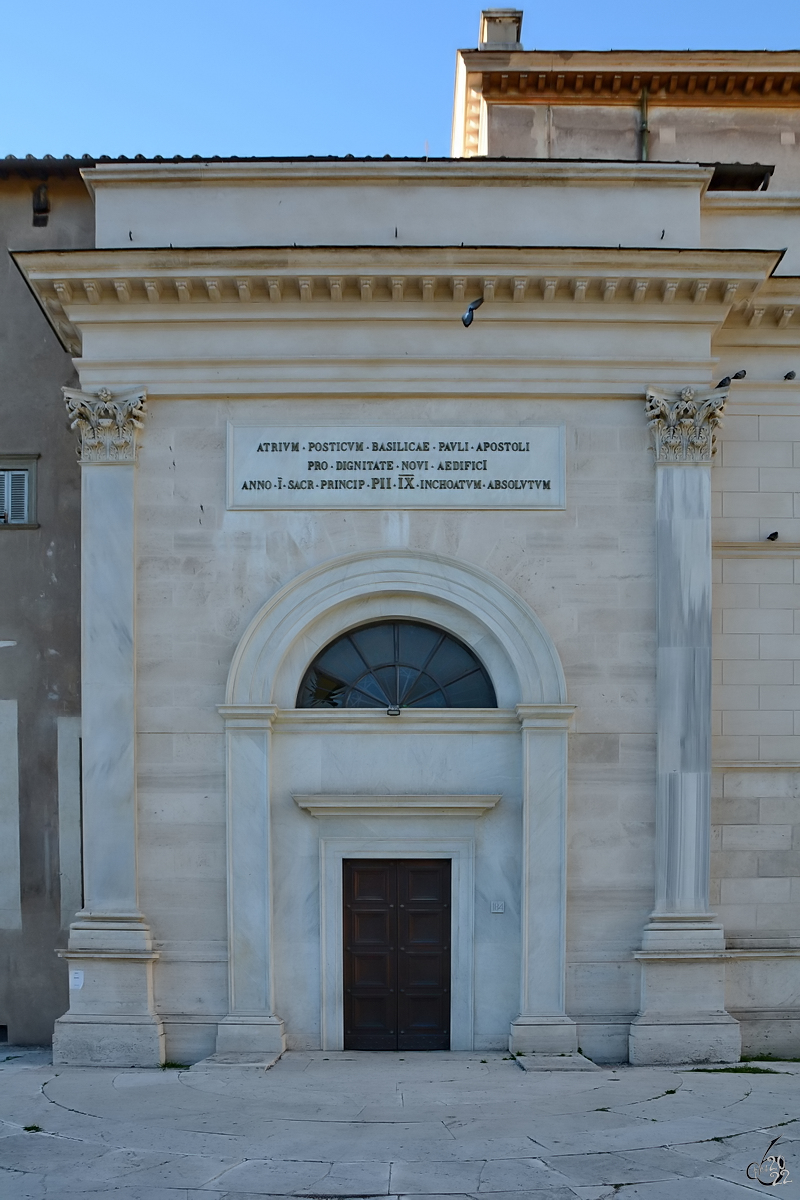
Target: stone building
pixel 412 492
pixel 43 204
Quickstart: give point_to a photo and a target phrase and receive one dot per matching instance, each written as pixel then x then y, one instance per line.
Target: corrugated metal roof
pixel 727 176
pixel 30 164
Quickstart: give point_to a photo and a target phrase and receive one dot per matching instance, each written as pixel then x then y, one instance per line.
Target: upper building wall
pixel 606 131
pixel 658 106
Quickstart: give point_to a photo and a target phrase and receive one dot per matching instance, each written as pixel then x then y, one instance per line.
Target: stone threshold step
pixel 555 1062
pixel 262 1061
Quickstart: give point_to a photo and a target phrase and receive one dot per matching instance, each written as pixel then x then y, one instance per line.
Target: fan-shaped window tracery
pixel 396 664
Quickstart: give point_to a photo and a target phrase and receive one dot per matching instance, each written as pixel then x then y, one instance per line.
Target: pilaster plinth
pixel 251 1024
pixel 543 1026
pixel 682 1015
pixel 111 1019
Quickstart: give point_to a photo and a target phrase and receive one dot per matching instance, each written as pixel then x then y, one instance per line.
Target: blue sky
pixel 313 77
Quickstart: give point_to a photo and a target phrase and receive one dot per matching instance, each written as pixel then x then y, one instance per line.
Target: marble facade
pixel 592 802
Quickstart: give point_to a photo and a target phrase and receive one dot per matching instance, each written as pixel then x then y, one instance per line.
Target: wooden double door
pixel 397 954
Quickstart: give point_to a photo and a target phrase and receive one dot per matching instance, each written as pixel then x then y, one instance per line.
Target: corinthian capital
pixel 106 424
pixel 684 427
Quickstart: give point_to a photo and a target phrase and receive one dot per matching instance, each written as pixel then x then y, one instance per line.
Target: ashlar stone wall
pixel 755 857
pixel 587 572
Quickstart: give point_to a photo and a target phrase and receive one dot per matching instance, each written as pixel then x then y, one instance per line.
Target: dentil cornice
pixel 683 428
pixel 80 288
pixel 106 424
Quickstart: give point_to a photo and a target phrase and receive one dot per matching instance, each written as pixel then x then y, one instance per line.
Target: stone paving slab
pixel 216 1061
pixel 362 1126
pixel 556 1062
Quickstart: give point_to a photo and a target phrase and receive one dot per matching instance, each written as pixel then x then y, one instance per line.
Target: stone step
pixel 556 1062
pixel 262 1060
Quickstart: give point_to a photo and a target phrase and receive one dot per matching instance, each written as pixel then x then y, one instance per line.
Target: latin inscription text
pixel 376 468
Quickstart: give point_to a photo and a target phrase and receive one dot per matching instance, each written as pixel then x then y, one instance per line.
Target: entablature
pixel 766 79
pixel 87 287
pixel 776 307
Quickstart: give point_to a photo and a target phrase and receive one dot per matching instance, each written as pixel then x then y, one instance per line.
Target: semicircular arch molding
pixel 310 611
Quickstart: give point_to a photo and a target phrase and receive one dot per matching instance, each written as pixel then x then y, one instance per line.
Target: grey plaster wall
pixel 40 610
pixel 688 134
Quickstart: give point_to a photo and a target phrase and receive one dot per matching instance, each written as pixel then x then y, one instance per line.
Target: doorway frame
pixel 272 655
pixel 461 852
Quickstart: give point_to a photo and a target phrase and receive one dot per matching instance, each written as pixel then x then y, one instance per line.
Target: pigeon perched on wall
pixel 772 537
pixel 469 315
pixel 790 375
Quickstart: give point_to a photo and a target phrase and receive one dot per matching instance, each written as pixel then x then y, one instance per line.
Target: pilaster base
pixel 251 1034
pixel 662 1042
pixel 533 1034
pixel 111 1020
pixel 683 1017
pixel 93 1041
pixel 679 932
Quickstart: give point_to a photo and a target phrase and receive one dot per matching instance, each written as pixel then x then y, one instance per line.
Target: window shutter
pixel 18 497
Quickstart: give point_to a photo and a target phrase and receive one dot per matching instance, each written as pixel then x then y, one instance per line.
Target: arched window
pixel 396 664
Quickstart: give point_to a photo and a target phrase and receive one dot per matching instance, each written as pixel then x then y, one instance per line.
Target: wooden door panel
pixel 373 883
pixel 424 959
pixel 423 1015
pixel 370 1015
pixel 423 928
pixel 370 955
pixel 397 955
pixel 424 882
pixel 424 971
pixel 371 928
pixel 372 970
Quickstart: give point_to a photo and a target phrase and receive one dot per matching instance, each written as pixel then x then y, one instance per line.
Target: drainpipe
pixel 644 128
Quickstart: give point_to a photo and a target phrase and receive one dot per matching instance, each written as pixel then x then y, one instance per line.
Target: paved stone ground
pixel 396 1125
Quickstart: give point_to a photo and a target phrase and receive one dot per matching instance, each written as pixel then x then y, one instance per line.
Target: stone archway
pixel 307 612
pixel 271 658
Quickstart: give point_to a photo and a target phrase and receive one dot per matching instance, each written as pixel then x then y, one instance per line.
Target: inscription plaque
pixel 380 466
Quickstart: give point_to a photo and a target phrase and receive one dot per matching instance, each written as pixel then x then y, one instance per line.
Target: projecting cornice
pixel 389 172
pixel 323 806
pixel 774 308
pixel 78 288
pixel 700 78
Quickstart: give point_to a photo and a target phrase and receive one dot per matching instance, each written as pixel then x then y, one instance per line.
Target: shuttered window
pixel 14 490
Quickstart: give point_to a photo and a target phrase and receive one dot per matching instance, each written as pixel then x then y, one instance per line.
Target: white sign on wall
pixel 380 466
